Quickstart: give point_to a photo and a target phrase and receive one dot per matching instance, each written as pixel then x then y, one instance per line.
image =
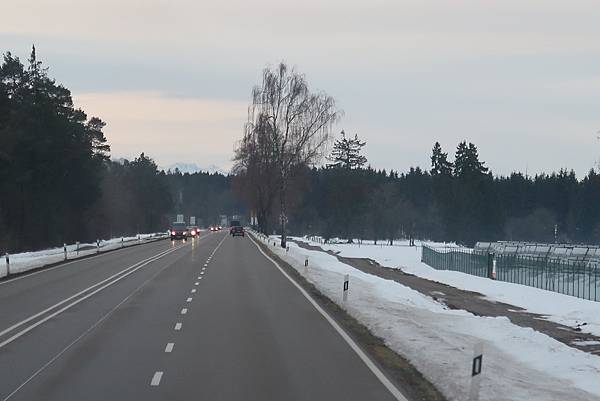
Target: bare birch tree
pixel 288 126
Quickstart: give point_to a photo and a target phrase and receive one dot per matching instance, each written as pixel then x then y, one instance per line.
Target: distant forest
pixel 57 183
pixel 453 201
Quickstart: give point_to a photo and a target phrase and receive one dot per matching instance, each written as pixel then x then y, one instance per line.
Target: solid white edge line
pixel 38 270
pixel 169 347
pixel 366 360
pixel 56 305
pixel 82 335
pixel 156 378
pixel 69 306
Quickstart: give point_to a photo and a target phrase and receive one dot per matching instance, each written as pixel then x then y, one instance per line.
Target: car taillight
pixel 193 232
pixel 172 232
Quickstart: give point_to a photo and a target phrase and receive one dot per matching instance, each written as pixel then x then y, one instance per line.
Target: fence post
pixel 7 264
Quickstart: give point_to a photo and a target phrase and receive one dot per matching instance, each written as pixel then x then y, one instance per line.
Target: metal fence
pixel 576 278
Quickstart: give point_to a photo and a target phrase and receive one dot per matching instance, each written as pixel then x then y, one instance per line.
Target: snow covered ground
pixel 559 308
pixel 21 262
pixel 519 363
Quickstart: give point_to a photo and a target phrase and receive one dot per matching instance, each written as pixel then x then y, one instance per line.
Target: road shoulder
pixel 405 376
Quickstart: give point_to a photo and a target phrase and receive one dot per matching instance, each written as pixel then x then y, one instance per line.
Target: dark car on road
pixel 179 231
pixel 236 230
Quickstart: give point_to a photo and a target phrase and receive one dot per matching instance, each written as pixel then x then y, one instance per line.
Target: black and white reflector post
pixel 7 258
pixel 122 244
pixel 346 282
pixel 97 246
pixel 476 368
pixel 77 247
pixel 65 250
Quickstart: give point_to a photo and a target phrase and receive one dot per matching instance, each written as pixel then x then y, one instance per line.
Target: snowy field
pixel 21 262
pixel 519 363
pixel 558 308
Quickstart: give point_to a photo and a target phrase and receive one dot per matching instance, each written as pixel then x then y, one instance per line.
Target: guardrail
pixel 580 279
pixel 22 262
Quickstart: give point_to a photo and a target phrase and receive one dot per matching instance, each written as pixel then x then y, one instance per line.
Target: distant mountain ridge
pixel 192 168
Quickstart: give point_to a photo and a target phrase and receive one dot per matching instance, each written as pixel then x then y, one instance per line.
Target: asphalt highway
pixel 206 319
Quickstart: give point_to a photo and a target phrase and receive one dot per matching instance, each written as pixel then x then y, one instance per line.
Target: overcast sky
pixel 173 78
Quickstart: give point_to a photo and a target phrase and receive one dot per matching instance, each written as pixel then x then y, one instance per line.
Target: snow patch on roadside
pixel 519 363
pixel 22 262
pixel 558 308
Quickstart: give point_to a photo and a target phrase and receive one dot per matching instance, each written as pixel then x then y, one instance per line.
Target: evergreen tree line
pixel 57 183
pixel 459 200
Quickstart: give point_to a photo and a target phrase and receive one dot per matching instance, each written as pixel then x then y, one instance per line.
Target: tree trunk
pixel 283 216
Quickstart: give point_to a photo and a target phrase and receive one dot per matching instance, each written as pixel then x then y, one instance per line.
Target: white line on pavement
pixel 189 300
pixel 156 378
pixel 366 360
pixel 129 270
pixel 184 311
pixel 178 326
pixel 89 330
pixel 193 290
pixel 169 347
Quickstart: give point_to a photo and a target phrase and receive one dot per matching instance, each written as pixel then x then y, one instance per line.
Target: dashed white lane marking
pixel 156 379
pixel 188 300
pixel 193 290
pixel 178 326
pixel 169 347
pixel 196 283
pixel 201 273
pixel 206 264
pixel 184 311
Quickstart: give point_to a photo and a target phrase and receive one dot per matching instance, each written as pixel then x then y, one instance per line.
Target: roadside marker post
pixel 65 250
pixel 77 247
pixel 7 264
pixel 122 243
pixel 346 285
pixel 476 368
pixel 97 246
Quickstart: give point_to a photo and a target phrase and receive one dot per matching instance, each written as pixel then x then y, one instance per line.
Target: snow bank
pixel 559 308
pixel 519 363
pixel 21 262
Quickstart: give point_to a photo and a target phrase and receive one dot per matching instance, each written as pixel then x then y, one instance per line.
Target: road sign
pixel 192 220
pixel 180 218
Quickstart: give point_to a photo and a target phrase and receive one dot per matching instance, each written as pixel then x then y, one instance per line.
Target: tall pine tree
pixel 346 153
pixel 439 162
